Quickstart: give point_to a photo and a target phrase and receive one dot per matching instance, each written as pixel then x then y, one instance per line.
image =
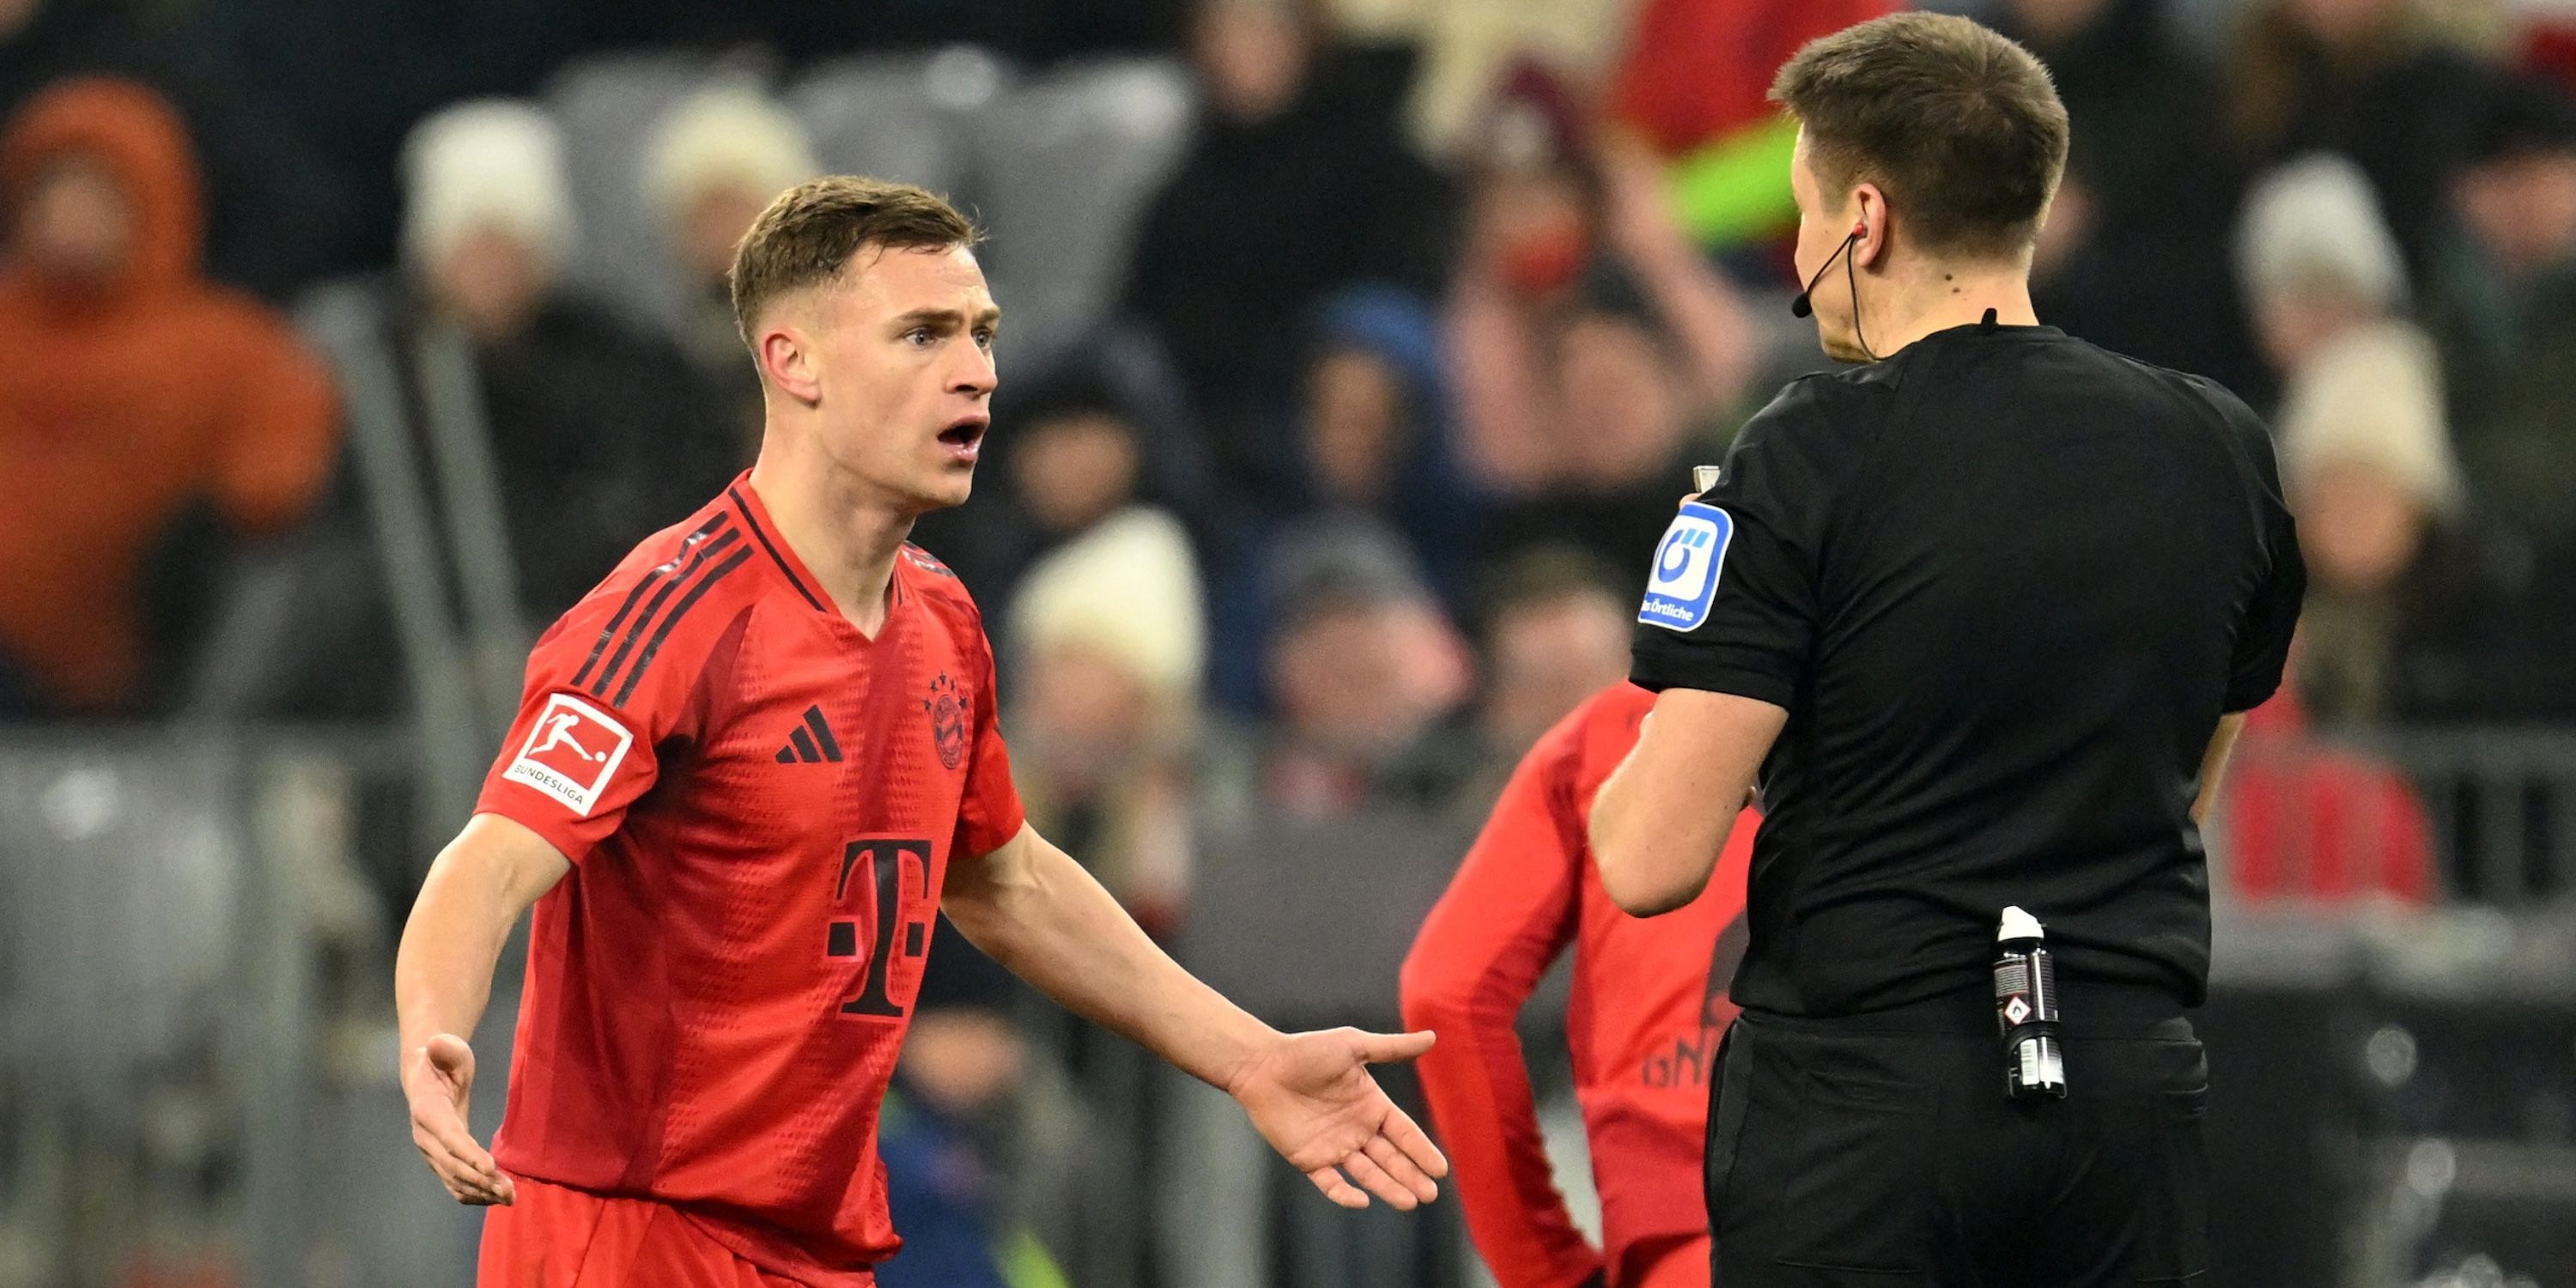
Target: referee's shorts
pixel 1882 1150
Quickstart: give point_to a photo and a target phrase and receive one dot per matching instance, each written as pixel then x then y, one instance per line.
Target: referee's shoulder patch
pixel 1683 582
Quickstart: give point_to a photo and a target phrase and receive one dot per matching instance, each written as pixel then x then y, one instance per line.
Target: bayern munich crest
pixel 947 707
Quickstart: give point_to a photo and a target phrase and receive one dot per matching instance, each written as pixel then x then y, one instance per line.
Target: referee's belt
pixel 2087 1008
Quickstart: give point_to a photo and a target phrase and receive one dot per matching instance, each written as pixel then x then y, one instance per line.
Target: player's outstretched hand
pixel 1311 1096
pixel 438 1078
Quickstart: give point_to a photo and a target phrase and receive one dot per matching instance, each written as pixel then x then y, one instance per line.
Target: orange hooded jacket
pixel 119 408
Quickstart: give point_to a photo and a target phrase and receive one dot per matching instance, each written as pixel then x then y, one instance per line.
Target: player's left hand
pixel 1312 1098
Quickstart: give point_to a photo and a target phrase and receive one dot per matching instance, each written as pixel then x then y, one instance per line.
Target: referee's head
pixel 1928 150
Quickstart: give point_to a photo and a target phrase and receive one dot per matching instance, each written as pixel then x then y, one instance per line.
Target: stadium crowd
pixel 1355 353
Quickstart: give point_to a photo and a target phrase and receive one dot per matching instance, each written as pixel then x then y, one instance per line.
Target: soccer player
pixel 748 771
pixel 1648 1008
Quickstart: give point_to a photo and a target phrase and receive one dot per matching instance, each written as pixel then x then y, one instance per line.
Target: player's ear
pixel 786 359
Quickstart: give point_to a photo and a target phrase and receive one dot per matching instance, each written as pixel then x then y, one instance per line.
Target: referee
pixel 1983 613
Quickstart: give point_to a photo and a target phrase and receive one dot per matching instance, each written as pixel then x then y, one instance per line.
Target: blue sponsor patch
pixel 1684 580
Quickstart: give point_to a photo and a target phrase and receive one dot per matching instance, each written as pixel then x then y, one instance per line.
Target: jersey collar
pixel 782 557
pixel 746 501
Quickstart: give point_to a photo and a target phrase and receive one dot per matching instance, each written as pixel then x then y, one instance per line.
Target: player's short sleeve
pixel 1731 600
pixel 990 813
pixel 580 750
pixel 2271 617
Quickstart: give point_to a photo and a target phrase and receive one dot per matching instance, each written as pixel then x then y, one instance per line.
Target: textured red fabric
pixel 1648 1007
pixel 760 804
pixel 554 1237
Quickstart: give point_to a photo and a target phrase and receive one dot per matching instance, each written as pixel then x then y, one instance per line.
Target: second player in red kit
pixel 749 771
pixel 1643 1024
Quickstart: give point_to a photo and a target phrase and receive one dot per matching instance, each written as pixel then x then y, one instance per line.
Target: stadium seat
pixel 897 117
pixel 1063 168
pixel 609 106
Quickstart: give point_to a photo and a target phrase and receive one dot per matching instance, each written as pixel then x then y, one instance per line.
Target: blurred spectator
pixel 980 1135
pixel 1555 634
pixel 144 412
pixel 2416 609
pixel 1365 676
pixel 1299 181
pixel 1623 426
pixel 2506 310
pixel 2133 256
pixel 2316 259
pixel 1374 432
pixel 2305 822
pixel 2414 612
pixel 2375 80
pixel 712 167
pixel 1557 226
pixel 1695 86
pixel 597 432
pixel 1469 46
pixel 257 165
pixel 1108 648
pixel 1069 449
pixel 1370 452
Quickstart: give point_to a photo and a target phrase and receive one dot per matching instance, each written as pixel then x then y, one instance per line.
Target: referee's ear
pixel 1871 222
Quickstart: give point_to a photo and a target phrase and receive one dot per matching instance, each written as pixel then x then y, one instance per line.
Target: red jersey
pixel 760 804
pixel 1648 1007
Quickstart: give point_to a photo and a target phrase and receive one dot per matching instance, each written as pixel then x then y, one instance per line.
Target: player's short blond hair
pixel 811 232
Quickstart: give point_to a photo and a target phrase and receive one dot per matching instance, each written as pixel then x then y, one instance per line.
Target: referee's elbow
pixel 1644 883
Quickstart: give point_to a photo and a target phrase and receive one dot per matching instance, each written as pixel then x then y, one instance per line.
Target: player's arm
pixel 474 893
pixel 1030 907
pixel 2213 763
pixel 1507 913
pixel 1665 813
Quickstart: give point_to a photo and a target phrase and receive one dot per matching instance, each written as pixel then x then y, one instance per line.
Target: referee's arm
pixel 1660 821
pixel 1729 619
pixel 1664 814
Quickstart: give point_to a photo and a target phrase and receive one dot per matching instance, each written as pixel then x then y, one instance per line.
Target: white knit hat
pixel 2314 224
pixel 1128 589
pixel 729 134
pixel 2373 397
pixel 486 163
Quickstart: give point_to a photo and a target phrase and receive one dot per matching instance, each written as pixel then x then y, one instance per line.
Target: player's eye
pixel 919 337
pixel 984 338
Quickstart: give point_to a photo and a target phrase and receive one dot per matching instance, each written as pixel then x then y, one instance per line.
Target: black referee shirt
pixel 2004 583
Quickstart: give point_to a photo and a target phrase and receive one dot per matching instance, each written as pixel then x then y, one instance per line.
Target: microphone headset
pixel 1804 306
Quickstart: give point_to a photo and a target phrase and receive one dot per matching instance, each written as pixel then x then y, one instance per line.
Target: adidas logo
pixel 810 744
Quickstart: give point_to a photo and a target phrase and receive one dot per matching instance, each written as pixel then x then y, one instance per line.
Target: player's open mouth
pixel 964 438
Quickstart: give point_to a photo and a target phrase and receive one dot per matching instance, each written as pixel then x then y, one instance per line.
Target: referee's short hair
pixel 809 234
pixel 1960 126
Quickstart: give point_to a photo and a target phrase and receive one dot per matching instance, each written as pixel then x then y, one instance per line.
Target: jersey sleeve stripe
pixel 635 633
pixel 678 611
pixel 642 584
pixel 775 557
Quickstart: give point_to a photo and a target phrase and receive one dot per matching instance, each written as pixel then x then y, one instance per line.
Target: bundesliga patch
pixel 1684 580
pixel 571 752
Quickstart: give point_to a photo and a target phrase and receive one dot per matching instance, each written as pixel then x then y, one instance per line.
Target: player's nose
pixel 975 371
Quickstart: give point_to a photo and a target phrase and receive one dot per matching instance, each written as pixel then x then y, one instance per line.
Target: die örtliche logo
pixel 1683 581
